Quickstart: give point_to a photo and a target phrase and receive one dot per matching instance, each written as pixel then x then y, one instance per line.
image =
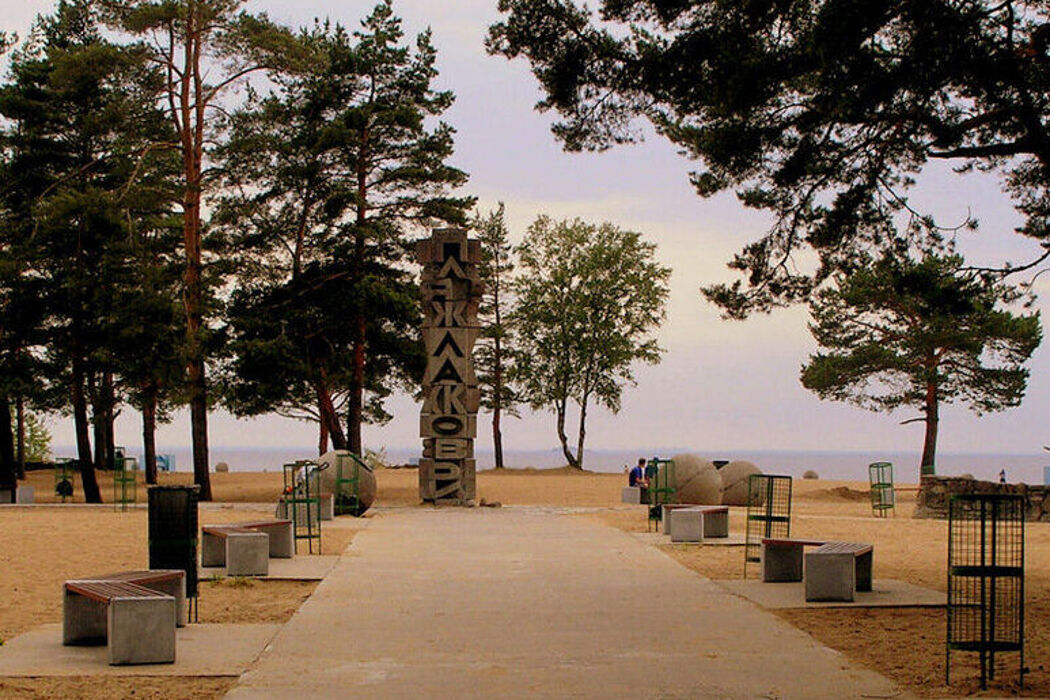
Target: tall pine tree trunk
pixel 149 436
pixel 20 437
pixel 355 412
pixel 929 446
pixel 357 389
pixel 8 479
pixel 332 429
pixel 192 103
pixel 80 424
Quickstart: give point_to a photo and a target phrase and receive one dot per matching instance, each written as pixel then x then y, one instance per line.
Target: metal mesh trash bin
pixel 986 579
pixel 768 513
pixel 173 528
pixel 880 477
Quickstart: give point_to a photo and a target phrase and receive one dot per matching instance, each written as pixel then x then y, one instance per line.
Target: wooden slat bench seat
pixel 837 570
pixel 781 558
pixel 167 581
pixel 136 623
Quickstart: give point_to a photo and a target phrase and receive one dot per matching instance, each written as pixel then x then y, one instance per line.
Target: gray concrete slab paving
pixel 437 603
pixel 884 593
pixel 200 650
pixel 301 567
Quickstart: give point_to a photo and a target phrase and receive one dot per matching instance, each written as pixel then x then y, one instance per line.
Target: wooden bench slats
pixel 788 542
pixel 105 591
pixel 264 523
pixel 854 548
pixel 143 576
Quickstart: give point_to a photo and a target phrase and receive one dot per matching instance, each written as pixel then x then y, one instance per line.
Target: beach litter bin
pixel 173 527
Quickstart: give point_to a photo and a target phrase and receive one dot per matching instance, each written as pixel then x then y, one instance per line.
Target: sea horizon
pixel 834 465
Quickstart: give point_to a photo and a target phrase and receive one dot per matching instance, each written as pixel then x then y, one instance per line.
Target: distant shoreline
pixel 836 465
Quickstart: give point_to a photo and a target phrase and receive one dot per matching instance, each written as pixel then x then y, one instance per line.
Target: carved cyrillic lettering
pixel 451 291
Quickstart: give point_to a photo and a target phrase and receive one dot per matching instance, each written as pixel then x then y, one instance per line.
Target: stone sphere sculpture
pixel 366 485
pixel 696 480
pixel 222 468
pixel 810 474
pixel 735 477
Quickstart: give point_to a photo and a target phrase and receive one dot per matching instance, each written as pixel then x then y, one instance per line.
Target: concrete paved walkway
pixel 454 603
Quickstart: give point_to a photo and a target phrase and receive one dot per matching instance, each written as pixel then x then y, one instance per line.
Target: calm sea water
pixel 1026 468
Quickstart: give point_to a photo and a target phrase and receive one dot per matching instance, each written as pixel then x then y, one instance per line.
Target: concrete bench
pixel 243 551
pixel 837 570
pixel 632 495
pixel 694 523
pixel 167 581
pixel 137 624
pixel 781 559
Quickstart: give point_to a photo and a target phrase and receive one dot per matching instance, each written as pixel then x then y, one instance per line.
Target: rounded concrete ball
pixel 735 477
pixel 222 467
pixel 366 485
pixel 810 474
pixel 696 480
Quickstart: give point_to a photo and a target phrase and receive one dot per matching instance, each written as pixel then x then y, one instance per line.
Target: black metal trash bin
pixel 173 527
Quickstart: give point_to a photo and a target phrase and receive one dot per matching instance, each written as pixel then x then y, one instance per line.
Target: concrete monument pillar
pixel 448 424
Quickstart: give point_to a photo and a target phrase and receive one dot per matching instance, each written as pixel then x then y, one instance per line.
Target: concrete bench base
pixel 247 554
pixel 242 552
pixel 837 570
pixel 695 523
pixel 632 495
pixel 136 624
pixel 781 559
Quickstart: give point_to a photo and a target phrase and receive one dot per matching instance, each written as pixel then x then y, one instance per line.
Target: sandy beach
pixel 45 545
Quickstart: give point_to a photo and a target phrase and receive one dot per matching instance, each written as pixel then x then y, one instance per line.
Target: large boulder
pixel 366 486
pixel 735 477
pixel 696 480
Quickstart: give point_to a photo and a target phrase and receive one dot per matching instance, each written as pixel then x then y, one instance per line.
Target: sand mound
pixel 839 493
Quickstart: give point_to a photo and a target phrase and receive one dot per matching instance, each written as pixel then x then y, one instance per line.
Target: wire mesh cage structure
pixel 883 498
pixel 65 469
pixel 347 496
pixel 662 488
pixel 986 579
pixel 173 523
pixel 768 513
pixel 125 481
pixel 302 499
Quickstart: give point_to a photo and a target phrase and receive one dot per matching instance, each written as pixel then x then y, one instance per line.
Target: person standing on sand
pixel 1002 476
pixel 637 475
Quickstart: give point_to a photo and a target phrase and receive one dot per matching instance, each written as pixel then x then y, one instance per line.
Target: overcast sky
pixel 722 385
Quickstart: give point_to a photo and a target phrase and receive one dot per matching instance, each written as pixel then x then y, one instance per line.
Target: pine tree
pixel 920 333
pixel 336 169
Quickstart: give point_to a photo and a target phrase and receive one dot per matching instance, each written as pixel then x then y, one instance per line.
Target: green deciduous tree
pixel 821 112
pixel 900 333
pixel 493 350
pixel 588 301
